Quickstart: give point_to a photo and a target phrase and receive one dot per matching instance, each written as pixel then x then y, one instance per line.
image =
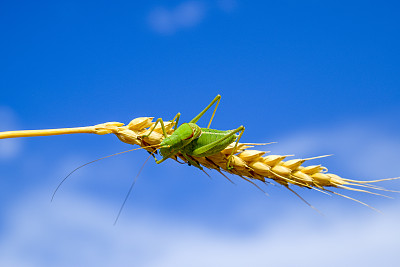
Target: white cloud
pixel 77 231
pixel 168 21
pixel 364 149
pixel 185 15
pixel 9 148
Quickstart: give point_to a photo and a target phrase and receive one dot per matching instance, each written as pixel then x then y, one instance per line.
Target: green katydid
pixel 187 140
pixel 190 140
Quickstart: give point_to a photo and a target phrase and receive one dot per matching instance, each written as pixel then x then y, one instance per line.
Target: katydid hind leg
pixel 204 149
pixel 241 130
pixel 216 99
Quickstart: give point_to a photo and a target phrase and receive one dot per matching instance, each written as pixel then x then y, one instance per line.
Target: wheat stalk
pixel 246 163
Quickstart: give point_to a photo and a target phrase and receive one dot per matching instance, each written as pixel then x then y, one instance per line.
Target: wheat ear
pixel 253 164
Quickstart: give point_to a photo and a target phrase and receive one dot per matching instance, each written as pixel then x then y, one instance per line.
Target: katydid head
pixel 182 136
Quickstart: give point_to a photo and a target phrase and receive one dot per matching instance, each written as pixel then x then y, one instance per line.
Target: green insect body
pixel 181 137
pixel 208 136
pixel 190 140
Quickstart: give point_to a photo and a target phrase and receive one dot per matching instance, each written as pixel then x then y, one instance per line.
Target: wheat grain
pixel 245 162
pixel 255 165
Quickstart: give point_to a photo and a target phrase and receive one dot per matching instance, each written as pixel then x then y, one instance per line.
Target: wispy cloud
pixel 82 227
pixel 36 233
pixel 362 148
pixel 170 20
pixel 9 148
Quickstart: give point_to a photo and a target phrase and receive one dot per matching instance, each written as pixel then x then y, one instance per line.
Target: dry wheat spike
pixel 251 165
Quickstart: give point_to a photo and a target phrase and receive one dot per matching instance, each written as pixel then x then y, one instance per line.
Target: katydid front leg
pixel 159 120
pixel 177 116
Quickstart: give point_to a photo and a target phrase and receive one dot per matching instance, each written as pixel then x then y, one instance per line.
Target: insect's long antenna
pixel 130 189
pixel 126 151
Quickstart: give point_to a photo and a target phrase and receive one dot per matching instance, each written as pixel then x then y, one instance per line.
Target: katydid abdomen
pixel 209 136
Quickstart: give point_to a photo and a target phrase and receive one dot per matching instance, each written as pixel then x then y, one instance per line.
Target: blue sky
pixel 318 77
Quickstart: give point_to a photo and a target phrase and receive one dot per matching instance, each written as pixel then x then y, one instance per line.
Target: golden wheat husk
pixel 245 162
